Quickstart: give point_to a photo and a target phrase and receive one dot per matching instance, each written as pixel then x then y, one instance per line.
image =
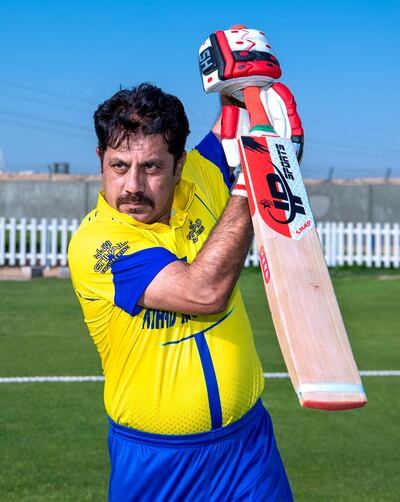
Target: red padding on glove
pixel 229 121
pixel 226 53
pixel 256 68
pixel 290 102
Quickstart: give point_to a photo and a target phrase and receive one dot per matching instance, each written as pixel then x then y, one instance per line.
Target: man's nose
pixel 134 181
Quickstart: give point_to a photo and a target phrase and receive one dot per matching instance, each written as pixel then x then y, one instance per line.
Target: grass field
pixel 53 435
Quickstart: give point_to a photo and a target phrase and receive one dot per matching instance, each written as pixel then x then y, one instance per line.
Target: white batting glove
pixel 235 122
pixel 236 58
pixel 280 107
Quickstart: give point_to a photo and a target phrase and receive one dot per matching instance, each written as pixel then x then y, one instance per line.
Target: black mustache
pixel 138 197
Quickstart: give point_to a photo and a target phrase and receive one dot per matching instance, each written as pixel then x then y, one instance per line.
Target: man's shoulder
pixel 88 230
pixel 208 179
pixel 199 170
pixel 196 159
pixel 96 238
pixel 100 240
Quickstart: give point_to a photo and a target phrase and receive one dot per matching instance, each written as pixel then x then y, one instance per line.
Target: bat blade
pixel 302 301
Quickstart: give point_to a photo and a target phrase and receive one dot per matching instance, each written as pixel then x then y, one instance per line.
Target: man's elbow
pixel 212 302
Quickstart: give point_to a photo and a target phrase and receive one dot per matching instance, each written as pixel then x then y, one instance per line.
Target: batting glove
pixel 280 107
pixel 236 58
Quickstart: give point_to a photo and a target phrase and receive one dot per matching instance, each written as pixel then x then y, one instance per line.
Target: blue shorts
pixel 239 462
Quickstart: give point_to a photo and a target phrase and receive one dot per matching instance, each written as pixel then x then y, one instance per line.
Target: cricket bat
pixel 303 305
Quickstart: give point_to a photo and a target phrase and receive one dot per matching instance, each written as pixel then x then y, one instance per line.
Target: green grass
pixel 369 304
pixel 53 442
pixel 53 435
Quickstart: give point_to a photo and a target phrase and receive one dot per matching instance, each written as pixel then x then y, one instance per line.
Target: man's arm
pixel 205 285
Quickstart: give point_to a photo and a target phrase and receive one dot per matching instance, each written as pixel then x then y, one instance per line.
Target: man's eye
pixel 119 165
pixel 151 166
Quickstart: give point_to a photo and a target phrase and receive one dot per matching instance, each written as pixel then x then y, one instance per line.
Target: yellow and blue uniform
pixel 166 373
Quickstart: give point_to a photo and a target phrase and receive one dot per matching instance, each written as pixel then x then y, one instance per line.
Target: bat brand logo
pixel 283 198
pixel 284 161
pixel 206 62
pixel 277 191
pixel 107 254
pixel 266 203
pixel 303 227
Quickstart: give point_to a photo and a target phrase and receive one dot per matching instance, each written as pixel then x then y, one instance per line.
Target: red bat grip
pixel 254 106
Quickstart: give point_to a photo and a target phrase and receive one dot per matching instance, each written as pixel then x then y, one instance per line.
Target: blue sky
pixel 59 60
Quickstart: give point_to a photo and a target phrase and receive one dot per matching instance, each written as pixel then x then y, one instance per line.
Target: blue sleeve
pixel 133 273
pixel 211 149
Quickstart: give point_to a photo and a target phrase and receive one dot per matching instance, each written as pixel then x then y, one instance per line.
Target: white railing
pixel 35 242
pixel 369 244
pixel 45 242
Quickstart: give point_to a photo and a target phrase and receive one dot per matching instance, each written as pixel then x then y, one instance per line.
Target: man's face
pixel 139 178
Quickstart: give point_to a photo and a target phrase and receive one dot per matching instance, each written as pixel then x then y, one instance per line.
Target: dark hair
pixel 145 109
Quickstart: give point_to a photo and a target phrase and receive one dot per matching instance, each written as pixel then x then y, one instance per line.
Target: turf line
pixel 35 379
pixel 367 373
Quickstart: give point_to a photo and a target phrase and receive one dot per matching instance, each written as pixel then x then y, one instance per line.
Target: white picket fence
pixel 373 245
pixel 45 242
pixel 35 242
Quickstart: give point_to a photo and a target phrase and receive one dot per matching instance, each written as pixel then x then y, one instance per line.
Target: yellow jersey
pixel 165 372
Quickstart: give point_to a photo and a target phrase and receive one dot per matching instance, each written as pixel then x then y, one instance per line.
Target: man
pixel 155 267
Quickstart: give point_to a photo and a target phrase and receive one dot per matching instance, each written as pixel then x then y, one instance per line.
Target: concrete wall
pixel 385 203
pixel 355 203
pixel 340 202
pixel 47 199
pixel 74 199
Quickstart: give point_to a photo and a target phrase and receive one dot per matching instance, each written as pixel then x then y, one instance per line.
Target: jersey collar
pixel 183 196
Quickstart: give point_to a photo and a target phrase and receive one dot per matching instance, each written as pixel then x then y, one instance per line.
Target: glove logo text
pixel 206 62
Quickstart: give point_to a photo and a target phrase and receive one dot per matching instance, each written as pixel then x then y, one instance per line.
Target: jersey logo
pixel 107 254
pixel 195 229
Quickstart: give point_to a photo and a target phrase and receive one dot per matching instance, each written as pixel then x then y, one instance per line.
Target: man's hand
pixel 280 107
pixel 235 122
pixel 236 58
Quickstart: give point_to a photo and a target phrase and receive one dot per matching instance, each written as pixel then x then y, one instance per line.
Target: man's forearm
pixel 220 261
pixel 205 285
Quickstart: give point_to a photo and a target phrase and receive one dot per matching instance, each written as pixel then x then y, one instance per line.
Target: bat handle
pixel 258 115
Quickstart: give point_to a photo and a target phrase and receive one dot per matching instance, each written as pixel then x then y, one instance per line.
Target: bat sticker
pixel 264 264
pixel 277 185
pixel 283 197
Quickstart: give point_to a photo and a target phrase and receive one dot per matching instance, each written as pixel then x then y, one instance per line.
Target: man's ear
pixel 100 156
pixel 179 166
